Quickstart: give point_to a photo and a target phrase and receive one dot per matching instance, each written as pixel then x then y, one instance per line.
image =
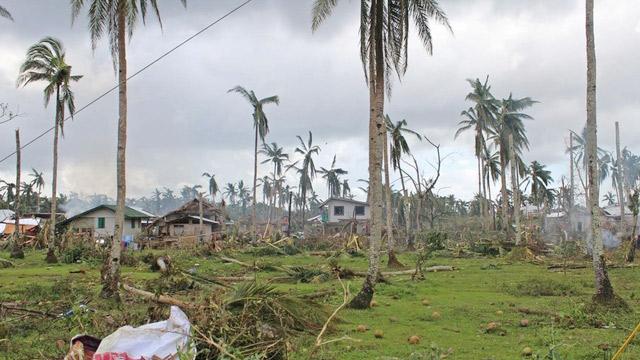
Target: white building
pixel 335 210
pixel 101 220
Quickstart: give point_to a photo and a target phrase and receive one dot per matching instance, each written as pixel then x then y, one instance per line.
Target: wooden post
pixel 16 249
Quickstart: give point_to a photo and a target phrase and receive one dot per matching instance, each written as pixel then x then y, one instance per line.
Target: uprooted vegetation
pixel 245 304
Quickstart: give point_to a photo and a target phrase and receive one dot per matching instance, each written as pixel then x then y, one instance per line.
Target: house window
pixel 133 223
pixel 100 223
pixel 360 210
pixel 338 210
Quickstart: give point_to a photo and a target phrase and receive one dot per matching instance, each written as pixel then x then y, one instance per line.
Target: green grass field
pixel 481 291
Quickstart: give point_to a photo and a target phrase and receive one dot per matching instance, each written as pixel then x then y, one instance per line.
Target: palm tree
pixel 384 35
pixel 114 19
pixel 332 177
pixel 609 198
pixel 540 179
pixel 213 185
pixel 398 147
pixel 480 119
pixel 509 123
pixel 230 192
pixel 346 190
pixel 38 184
pixel 243 195
pixel 45 61
pixel 276 155
pixel 157 199
pixel 307 170
pixel 5 13
pixel 261 125
pixel 604 291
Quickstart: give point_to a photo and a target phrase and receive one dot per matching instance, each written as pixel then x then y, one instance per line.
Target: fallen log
pixel 234 261
pixel 567 266
pixel 162 299
pixel 15 307
pixel 436 268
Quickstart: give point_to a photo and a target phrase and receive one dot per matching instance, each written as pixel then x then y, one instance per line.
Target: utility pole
pixel 16 249
pixel 289 216
pixel 620 179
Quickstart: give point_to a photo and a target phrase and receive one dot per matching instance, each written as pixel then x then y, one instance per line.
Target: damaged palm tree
pixel 604 291
pixel 384 35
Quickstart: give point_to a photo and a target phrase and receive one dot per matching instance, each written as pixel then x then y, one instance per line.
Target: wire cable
pixel 133 75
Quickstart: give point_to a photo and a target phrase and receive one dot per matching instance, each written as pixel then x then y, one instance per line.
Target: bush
pixel 433 239
pixel 79 252
pixel 542 287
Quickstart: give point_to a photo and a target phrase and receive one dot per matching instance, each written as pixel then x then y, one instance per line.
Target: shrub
pixel 79 252
pixel 433 239
pixel 541 287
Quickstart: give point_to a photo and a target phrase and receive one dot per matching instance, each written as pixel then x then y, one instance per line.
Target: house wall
pixel 349 209
pixel 189 229
pixel 90 221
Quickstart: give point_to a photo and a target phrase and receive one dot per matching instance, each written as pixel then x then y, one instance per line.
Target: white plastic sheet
pixel 163 339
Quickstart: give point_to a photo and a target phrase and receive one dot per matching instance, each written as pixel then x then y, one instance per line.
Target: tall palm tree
pixel 398 147
pixel 332 177
pixel 540 179
pixel 275 155
pixel 38 184
pixel 604 291
pixel 5 13
pixel 480 119
pixel 510 123
pixel 45 61
pixel 243 195
pixel 384 36
pixel 230 192
pixel 157 199
pixel 307 170
pixel 212 186
pixel 116 19
pixel 346 189
pixel 261 126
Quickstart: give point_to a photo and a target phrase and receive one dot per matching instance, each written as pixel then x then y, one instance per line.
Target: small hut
pixel 185 224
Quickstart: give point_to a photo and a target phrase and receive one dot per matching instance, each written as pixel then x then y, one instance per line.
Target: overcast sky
pixel 182 121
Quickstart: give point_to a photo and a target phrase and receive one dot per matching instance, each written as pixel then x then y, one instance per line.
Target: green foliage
pixel 433 239
pixel 542 287
pixel 79 252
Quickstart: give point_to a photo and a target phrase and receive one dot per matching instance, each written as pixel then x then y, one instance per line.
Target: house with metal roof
pixel 100 222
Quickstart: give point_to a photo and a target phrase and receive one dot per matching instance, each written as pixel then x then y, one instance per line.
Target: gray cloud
pixel 182 121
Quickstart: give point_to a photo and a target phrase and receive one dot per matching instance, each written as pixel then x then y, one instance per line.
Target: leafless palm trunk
pixel 393 261
pixel 480 188
pixel 51 246
pixel 571 183
pixel 406 210
pixel 16 248
pixel 111 272
pixel 376 131
pixel 506 219
pixel 619 180
pixel 255 185
pixel 604 290
pixel 201 214
pixel 515 189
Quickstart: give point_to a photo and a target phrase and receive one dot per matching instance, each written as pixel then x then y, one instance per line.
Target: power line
pixel 133 75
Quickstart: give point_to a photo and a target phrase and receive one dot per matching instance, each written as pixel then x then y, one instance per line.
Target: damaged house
pixel 183 223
